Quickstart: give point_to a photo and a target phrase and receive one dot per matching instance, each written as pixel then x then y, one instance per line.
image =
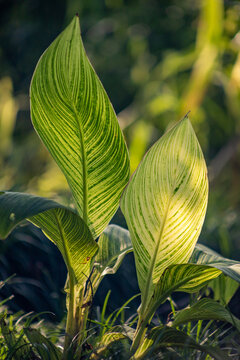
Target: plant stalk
pixel 139 334
pixel 71 316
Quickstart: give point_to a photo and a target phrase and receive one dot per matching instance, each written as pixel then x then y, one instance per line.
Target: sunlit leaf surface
pixel 165 204
pixel 60 224
pixel 73 116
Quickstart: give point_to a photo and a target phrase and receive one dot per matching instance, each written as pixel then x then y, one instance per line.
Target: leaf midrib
pixel 82 160
pixel 84 165
pixel 153 261
pixel 65 247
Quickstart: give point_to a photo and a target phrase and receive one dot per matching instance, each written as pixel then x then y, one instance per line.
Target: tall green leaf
pixel 60 224
pixel 165 204
pixel 73 116
pixel 114 244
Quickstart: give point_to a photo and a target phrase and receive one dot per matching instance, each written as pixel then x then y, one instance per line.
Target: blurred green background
pixel 157 59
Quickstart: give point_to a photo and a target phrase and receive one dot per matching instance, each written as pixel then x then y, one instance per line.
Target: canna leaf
pixel 165 337
pixel 114 244
pixel 183 277
pixel 73 116
pixel 186 277
pixel 60 224
pixel 165 204
pixel 206 309
pixel 192 277
pixel 203 255
pixel 227 283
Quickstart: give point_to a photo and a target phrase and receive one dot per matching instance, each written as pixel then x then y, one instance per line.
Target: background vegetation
pixel 157 59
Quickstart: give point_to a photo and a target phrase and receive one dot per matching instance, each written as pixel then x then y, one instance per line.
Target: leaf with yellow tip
pixel 165 204
pixel 74 117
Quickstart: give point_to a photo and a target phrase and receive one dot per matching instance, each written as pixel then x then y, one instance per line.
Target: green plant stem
pixel 82 327
pixel 71 316
pixel 139 335
pixel 145 318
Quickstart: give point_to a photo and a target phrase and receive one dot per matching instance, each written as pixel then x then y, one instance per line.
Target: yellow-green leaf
pixel 60 224
pixel 182 277
pixel 165 204
pixel 73 116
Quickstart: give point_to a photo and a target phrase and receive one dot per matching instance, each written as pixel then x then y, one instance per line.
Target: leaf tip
pixel 185 118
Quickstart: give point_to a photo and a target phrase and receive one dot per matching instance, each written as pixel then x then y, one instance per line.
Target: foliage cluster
pixel 164 204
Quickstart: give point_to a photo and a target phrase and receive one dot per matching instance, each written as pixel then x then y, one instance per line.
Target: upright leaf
pixel 165 204
pixel 74 118
pixel 60 224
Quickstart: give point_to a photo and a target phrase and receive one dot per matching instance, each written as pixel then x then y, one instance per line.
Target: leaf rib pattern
pixel 60 224
pixel 204 265
pixel 165 203
pixel 203 255
pixel 184 277
pixel 72 237
pixel 206 309
pixel 74 118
